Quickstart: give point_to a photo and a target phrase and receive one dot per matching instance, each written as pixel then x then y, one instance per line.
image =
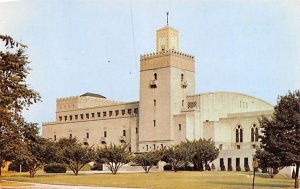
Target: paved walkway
pixel 51 186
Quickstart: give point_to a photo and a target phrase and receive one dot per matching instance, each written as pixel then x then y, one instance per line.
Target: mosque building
pixel 168 112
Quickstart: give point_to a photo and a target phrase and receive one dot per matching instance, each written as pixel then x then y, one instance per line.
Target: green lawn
pixel 186 180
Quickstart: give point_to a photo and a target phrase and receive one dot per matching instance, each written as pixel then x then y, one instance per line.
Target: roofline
pixel 227 92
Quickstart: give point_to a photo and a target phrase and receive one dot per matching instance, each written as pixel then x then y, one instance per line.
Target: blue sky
pixel 252 47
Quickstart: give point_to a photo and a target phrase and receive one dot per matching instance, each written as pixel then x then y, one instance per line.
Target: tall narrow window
pixel 87 116
pixel 71 117
pixel 76 117
pixel 238 134
pixel 54 137
pixel 81 116
pixel 87 135
pixel 252 134
pixel 110 113
pixel 93 115
pixel 70 135
pixel 117 112
pixel 124 132
pixel 179 127
pixel 136 130
pixel 154 102
pixel 105 134
pixel 154 146
pixel 66 117
pixel 147 147
pixel 98 114
pixel 154 123
pixel 155 76
pixel 181 77
pixel 182 103
pixel 162 146
pixel 241 135
pixel 60 118
pixel 256 134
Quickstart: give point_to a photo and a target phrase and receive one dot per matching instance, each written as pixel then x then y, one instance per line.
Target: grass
pixel 161 180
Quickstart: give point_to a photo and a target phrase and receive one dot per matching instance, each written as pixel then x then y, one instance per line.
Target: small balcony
pixel 122 139
pixel 183 84
pixel 153 84
pixel 103 140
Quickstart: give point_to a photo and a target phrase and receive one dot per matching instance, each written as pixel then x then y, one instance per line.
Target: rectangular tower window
pixel 136 130
pixel 54 137
pixel 154 123
pixel 98 114
pixel 110 113
pixel 70 135
pixel 147 147
pixel 71 117
pixel 87 135
pixel 237 164
pixel 76 117
pixel 182 77
pixel 60 118
pixel 162 146
pixel 154 146
pixel 123 112
pixel 129 111
pixel 179 127
pixel 154 102
pixel 66 117
pixel 155 76
pixel 81 116
pixel 124 132
pixel 105 134
pixel 87 116
pixel 117 112
pixel 93 115
pixel 182 103
pixel 104 114
pixel 136 110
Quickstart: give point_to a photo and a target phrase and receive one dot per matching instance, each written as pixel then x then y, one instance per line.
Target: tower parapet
pixel 167 52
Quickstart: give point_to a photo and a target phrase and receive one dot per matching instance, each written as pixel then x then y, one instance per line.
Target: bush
pixel 14 166
pixel 167 167
pixel 55 168
pixel 207 167
pixel 247 168
pixel 223 168
pixel 97 166
pixel 213 167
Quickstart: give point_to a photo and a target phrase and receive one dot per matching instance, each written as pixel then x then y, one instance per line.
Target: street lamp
pixel 254 165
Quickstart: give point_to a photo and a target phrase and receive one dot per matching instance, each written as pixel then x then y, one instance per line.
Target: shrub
pixel 223 168
pixel 55 168
pixel 213 167
pixel 167 167
pixel 97 166
pixel 247 168
pixel 14 166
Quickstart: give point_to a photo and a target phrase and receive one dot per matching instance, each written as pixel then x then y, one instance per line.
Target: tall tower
pixel 167 76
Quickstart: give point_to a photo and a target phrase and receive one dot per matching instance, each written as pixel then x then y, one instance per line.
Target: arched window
pixel 239 134
pixel 254 133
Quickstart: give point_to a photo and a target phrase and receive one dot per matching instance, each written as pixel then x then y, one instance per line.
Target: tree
pixel 15 96
pixel 74 154
pixel 268 161
pixel 148 159
pixel 113 156
pixel 282 131
pixel 175 155
pixel 204 152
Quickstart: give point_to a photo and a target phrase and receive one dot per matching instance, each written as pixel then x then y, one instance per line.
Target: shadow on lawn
pixel 281 185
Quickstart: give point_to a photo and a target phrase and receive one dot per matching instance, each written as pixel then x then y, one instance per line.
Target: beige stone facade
pixel 168 112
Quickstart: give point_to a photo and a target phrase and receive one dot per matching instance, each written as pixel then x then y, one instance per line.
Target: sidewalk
pixel 50 186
